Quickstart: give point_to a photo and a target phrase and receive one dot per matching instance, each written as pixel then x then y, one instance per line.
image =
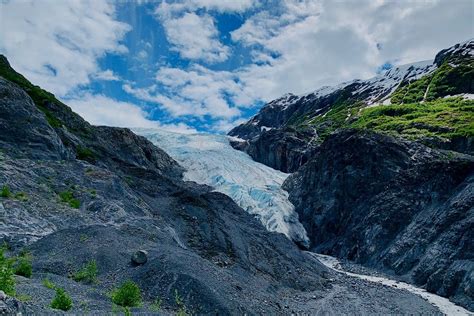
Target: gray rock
pixel 384 203
pixel 140 257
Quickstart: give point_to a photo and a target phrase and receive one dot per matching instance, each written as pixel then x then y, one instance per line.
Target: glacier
pixel 210 159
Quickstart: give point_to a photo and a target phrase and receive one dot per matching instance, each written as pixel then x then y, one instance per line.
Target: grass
pixel 62 300
pixel 21 196
pixel 87 274
pixel 156 305
pixel 444 81
pixel 68 198
pixel 444 118
pixel 182 310
pixel 48 284
pixel 7 279
pixel 127 295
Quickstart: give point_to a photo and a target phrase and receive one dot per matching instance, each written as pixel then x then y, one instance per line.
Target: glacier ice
pixel 210 159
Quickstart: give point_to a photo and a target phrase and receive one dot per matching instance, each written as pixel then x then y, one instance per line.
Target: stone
pixel 140 257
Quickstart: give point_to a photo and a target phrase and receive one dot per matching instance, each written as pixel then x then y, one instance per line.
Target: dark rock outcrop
pixel 395 205
pixel 281 149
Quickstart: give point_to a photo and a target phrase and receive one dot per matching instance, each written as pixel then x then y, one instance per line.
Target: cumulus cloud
pixel 99 109
pixel 197 92
pixel 298 46
pixel 195 37
pixel 56 44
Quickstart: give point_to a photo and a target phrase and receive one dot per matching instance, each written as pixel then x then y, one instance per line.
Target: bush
pixel 87 274
pixel 5 193
pixel 84 153
pixel 7 279
pixel 127 295
pixel 68 197
pixel 23 266
pixel 62 300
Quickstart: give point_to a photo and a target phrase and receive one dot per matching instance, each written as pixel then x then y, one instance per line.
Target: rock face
pixel 391 204
pixel 286 131
pixel 82 193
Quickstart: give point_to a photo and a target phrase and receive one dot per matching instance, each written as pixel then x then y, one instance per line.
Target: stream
pixel 443 304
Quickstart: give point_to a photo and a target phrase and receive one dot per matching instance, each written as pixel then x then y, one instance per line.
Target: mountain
pixel 287 131
pixel 92 207
pixel 383 169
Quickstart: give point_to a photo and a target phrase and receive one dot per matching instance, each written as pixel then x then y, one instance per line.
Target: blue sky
pixel 207 65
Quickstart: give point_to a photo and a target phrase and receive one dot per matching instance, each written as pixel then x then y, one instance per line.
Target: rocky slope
pixel 395 205
pixel 383 169
pixel 73 193
pixel 286 131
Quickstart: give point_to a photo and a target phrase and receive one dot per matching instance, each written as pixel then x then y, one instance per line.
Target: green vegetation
pixel 23 266
pixel 48 284
pixel 23 297
pixel 156 305
pixel 68 197
pixel 446 80
pixel 7 279
pixel 446 118
pixel 337 117
pixel 39 96
pixel 21 196
pixel 84 153
pixel 87 274
pixel 62 300
pixel 182 310
pixel 127 295
pixel 410 92
pixel 5 193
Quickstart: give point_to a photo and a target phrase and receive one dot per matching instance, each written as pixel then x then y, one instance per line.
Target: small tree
pixel 127 295
pixel 62 300
pixel 5 192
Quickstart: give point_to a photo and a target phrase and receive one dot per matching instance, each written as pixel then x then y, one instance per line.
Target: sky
pixel 209 65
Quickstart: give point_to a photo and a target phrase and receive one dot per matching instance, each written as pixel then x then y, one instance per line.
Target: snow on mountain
pixel 210 159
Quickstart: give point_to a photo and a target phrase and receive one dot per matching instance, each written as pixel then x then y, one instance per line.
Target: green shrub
pixel 84 153
pixel 5 193
pixel 7 279
pixel 62 300
pixel 68 197
pixel 23 266
pixel 88 273
pixel 127 295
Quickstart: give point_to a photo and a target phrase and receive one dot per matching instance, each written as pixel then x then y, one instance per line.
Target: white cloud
pixel 299 46
pixel 98 109
pixel 195 37
pixel 56 44
pixel 106 75
pixel 195 92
